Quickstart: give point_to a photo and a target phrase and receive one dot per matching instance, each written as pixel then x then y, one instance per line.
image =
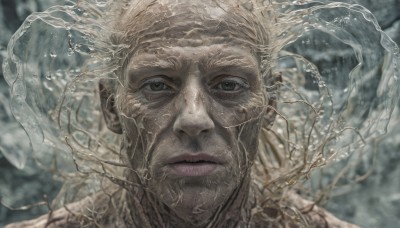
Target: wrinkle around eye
pixel 157 88
pixel 229 87
pixel 237 81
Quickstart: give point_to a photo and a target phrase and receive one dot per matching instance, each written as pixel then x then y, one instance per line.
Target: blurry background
pixel 374 202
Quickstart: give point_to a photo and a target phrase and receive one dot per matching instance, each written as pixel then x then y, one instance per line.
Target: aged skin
pixel 189 106
pixel 192 96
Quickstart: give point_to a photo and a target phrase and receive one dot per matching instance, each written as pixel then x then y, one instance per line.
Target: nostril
pixel 193 121
pixel 193 132
pixel 192 128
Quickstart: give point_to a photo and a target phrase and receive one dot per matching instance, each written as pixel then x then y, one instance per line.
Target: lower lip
pixel 193 169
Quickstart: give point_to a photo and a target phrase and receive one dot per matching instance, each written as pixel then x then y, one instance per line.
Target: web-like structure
pixel 339 84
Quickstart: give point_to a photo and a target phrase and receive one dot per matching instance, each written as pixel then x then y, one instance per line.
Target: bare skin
pixel 189 109
pixel 198 145
pixel 192 95
pixel 66 217
pixel 199 99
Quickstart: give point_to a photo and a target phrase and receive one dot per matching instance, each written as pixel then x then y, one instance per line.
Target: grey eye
pixel 229 86
pixel 158 86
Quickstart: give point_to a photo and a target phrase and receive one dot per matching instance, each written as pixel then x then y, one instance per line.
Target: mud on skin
pixel 190 107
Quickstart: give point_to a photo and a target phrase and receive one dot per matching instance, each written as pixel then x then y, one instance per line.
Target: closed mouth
pixel 194 158
pixel 194 162
pixel 189 165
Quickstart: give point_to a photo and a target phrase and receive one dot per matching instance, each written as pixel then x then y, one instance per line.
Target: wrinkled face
pixel 191 103
pixel 190 110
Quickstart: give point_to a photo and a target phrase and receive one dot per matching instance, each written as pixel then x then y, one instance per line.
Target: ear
pixel 110 113
pixel 273 83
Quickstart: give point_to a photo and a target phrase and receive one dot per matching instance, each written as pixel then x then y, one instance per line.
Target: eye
pixel 157 86
pixel 228 85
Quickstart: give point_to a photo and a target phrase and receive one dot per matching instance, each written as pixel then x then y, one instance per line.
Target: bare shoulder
pixel 63 217
pixel 71 216
pixel 318 217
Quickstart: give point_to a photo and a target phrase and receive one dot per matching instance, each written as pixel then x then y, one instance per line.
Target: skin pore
pixel 189 110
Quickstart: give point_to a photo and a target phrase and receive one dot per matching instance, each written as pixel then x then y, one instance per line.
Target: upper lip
pixel 201 157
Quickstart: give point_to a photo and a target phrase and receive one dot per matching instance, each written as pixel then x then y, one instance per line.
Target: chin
pixel 190 196
pixel 198 200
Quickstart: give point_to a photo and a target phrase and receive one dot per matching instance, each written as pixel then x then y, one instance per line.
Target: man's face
pixel 190 110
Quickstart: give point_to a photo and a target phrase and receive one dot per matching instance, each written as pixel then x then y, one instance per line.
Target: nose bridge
pixel 193 117
pixel 193 99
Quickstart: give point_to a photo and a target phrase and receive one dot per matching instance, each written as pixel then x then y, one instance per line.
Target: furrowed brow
pixel 152 64
pixel 230 63
pixel 156 63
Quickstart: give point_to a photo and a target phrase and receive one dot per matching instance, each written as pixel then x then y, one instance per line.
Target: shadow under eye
pixel 157 89
pixel 230 91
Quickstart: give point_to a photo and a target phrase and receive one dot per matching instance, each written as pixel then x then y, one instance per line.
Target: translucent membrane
pixel 340 80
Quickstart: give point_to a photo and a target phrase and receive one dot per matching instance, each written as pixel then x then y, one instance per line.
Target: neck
pixel 235 212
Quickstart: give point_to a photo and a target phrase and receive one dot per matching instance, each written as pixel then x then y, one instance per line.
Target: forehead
pixel 153 32
pixel 191 23
pixel 207 57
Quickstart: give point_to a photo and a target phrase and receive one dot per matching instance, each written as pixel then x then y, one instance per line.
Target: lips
pixel 193 165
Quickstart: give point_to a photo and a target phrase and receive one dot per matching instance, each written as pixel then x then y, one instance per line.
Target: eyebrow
pixel 152 64
pixel 229 63
pixel 159 63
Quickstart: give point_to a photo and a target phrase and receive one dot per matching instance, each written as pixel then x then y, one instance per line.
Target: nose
pixel 193 119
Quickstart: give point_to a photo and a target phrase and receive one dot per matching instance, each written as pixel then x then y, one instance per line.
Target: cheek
pixel 131 114
pixel 238 114
pixel 133 143
pixel 251 110
pixel 141 126
pixel 243 122
pixel 248 138
pixel 253 113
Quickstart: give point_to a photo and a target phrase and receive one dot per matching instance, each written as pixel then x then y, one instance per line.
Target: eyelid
pixel 244 72
pixel 157 78
pixel 239 80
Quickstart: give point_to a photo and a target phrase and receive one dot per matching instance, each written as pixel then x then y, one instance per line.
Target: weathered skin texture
pixel 189 108
pixel 198 119
pixel 198 97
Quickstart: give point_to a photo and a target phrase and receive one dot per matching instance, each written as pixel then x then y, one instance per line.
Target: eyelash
pixel 158 87
pixel 151 94
pixel 150 82
pixel 241 85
